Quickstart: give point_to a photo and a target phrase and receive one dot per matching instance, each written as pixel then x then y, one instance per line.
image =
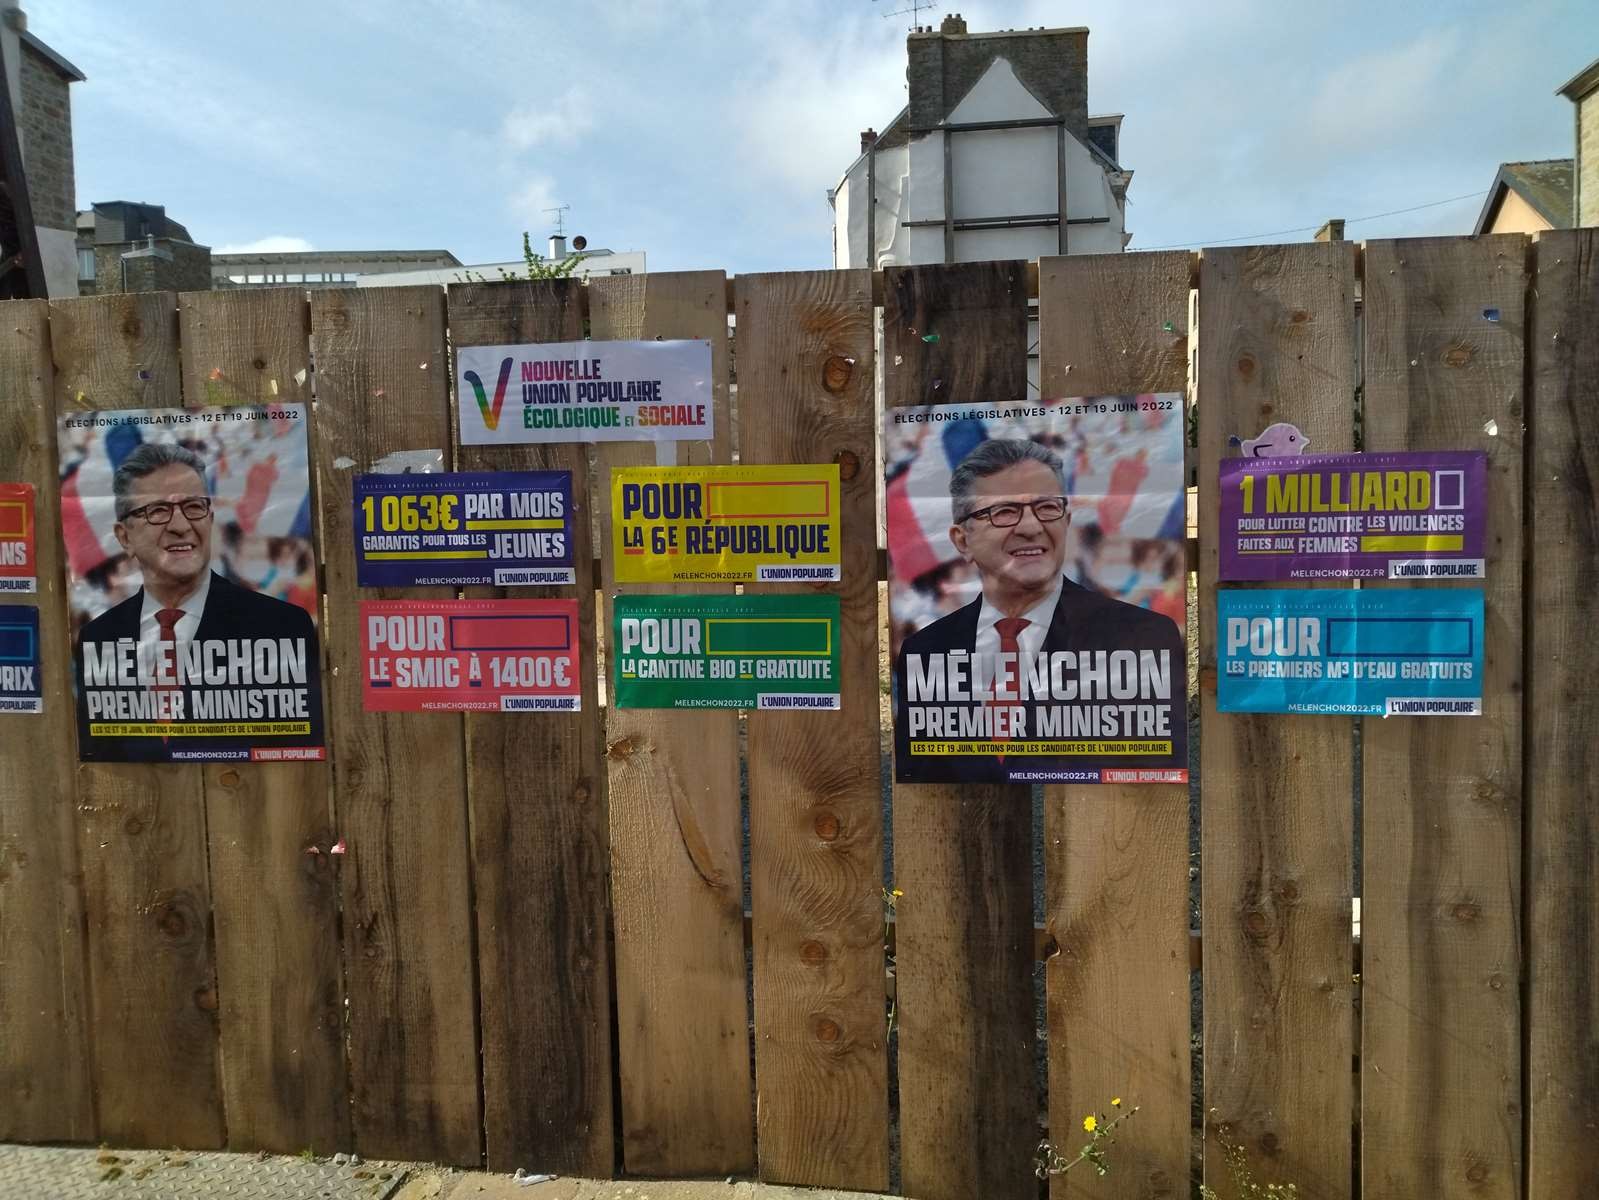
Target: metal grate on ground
pixel 47 1173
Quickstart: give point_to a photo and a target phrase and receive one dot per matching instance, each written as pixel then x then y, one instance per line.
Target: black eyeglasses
pixel 1003 516
pixel 195 508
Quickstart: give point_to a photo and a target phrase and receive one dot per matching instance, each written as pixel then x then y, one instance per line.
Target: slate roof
pixel 1580 84
pixel 1547 185
pixel 61 66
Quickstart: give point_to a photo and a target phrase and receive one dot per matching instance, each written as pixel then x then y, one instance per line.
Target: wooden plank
pixel 44 1051
pixel 400 778
pixel 807 395
pixel 141 827
pixel 676 879
pixel 1440 914
pixel 1562 712
pixel 275 906
pixel 537 799
pixel 962 853
pixel 1116 857
pixel 1276 343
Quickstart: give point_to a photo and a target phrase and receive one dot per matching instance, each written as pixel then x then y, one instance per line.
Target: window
pixel 85 264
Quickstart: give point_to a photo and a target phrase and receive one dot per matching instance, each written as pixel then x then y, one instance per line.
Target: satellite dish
pixel 580 242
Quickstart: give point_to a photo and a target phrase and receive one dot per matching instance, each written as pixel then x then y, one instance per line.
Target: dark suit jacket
pixel 230 612
pixel 1084 620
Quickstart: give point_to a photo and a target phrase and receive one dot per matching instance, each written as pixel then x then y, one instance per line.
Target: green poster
pixel 770 652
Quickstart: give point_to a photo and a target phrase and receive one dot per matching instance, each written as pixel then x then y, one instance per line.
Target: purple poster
pixel 1353 516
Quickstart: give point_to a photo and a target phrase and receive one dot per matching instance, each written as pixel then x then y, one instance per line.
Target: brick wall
pixel 1588 159
pixel 45 123
pixel 188 270
pixel 1053 65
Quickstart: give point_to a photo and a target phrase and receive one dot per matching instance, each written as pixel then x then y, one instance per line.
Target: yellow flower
pixel 1116 1103
pixel 1090 1123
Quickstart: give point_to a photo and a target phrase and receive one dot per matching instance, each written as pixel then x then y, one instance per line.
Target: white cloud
pixel 708 131
pixel 527 204
pixel 799 113
pixel 560 121
pixel 1392 87
pixel 277 243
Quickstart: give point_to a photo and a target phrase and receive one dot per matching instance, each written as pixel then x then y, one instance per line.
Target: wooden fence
pixel 533 953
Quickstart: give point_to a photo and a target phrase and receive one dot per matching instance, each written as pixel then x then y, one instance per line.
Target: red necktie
pixel 1008 628
pixel 167 666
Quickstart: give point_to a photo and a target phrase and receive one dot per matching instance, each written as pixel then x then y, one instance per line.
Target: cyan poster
pixel 1377 653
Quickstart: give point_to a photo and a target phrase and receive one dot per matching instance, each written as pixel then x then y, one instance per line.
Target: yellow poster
pixel 725 524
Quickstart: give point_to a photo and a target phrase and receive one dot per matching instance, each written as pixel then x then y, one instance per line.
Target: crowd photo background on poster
pixel 191 583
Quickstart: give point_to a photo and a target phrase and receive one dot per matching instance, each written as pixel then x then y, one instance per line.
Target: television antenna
pixel 915 12
pixel 560 212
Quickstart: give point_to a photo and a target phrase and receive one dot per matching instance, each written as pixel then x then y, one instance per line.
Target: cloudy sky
pixel 707 133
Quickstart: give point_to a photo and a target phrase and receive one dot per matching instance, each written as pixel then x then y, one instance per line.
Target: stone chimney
pixel 868 139
pixel 942 66
pixel 1332 231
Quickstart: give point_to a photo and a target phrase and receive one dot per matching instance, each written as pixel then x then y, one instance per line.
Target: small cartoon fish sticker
pixel 1276 441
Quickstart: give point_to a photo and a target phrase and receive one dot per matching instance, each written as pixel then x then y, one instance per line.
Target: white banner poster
pixel 585 392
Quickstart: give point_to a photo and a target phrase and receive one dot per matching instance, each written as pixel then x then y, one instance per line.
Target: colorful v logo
pixel 491 415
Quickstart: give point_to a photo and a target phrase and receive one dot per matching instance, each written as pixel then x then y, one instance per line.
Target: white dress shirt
pixel 1029 641
pixel 193 606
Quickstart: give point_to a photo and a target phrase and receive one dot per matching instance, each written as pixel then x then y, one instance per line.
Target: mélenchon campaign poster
pixel 585 392
pixel 1406 515
pixel 470 656
pixel 504 528
pixel 761 652
pixel 19 565
pixel 21 689
pixel 1390 652
pixel 192 584
pixel 769 524
pixel 1037 591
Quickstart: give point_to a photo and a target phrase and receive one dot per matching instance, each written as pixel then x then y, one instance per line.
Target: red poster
pixel 19 571
pixel 470 656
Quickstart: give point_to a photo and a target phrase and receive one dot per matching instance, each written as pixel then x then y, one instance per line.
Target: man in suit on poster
pixel 164 521
pixel 1010 514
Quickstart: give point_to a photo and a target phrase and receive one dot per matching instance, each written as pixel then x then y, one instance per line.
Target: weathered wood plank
pixel 382 386
pixel 807 395
pixel 141 827
pixel 962 853
pixel 1276 343
pixel 1562 712
pixel 44 1050
pixel 275 906
pixel 1116 857
pixel 1440 914
pixel 537 797
pixel 676 883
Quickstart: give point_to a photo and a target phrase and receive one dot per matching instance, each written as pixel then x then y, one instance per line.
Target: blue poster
pixel 504 528
pixel 1381 653
pixel 19 661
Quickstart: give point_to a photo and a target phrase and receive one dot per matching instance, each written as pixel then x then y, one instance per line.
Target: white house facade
pixel 995 156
